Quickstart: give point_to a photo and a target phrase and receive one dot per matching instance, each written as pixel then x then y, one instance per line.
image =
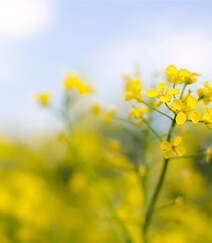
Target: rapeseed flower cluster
pixel 177 99
pixel 133 88
pixel 205 93
pixel 172 100
pixel 74 81
pixel 180 76
pixel 173 147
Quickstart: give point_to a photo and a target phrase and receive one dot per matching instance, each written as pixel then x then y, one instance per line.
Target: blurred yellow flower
pixel 138 111
pixel 109 115
pixel 73 81
pixel 207 118
pixel 133 89
pixel 96 109
pixel 42 98
pixel 172 147
pixel 205 93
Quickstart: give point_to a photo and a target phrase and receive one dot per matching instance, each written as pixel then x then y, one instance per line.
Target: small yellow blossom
pixel 137 112
pixel 207 118
pixel 183 108
pixel 133 89
pixel 172 74
pixel 73 81
pixel 61 136
pixel 187 77
pixel 172 147
pixel 42 98
pixel 109 115
pixel 179 76
pixel 114 146
pixel 96 109
pixel 159 92
pixel 209 154
pixel 205 93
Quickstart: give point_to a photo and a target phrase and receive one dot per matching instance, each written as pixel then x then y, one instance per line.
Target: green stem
pixel 153 201
pixel 184 87
pixel 154 109
pixel 144 120
pixel 169 108
pixel 150 209
pixel 188 156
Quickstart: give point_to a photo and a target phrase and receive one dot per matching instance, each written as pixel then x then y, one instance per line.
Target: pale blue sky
pixel 99 38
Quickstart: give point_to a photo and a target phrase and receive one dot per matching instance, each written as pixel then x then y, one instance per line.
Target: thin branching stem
pixel 152 129
pixel 189 156
pixel 154 109
pixel 153 201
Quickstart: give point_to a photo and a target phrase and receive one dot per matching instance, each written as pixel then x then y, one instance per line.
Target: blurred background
pixel 45 195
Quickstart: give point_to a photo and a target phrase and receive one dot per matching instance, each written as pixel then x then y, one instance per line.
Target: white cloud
pixel 23 17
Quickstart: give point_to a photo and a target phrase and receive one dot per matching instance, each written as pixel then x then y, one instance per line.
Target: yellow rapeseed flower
pixel 184 108
pixel 172 147
pixel 159 92
pixel 109 115
pixel 179 76
pixel 205 93
pixel 187 77
pixel 138 111
pixel 73 81
pixel 133 89
pixel 96 109
pixel 42 98
pixel 172 74
pixel 207 118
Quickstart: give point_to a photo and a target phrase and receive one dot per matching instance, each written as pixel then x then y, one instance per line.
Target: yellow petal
pixel 151 93
pixel 206 84
pixel 195 116
pixel 207 118
pixel 177 104
pixel 162 86
pixel 165 145
pixel 180 150
pixel 192 101
pixel 165 98
pixel 129 95
pixel 209 110
pixel 176 141
pixel 173 91
pixel 181 118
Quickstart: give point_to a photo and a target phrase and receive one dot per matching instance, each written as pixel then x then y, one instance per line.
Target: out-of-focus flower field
pixel 93 181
